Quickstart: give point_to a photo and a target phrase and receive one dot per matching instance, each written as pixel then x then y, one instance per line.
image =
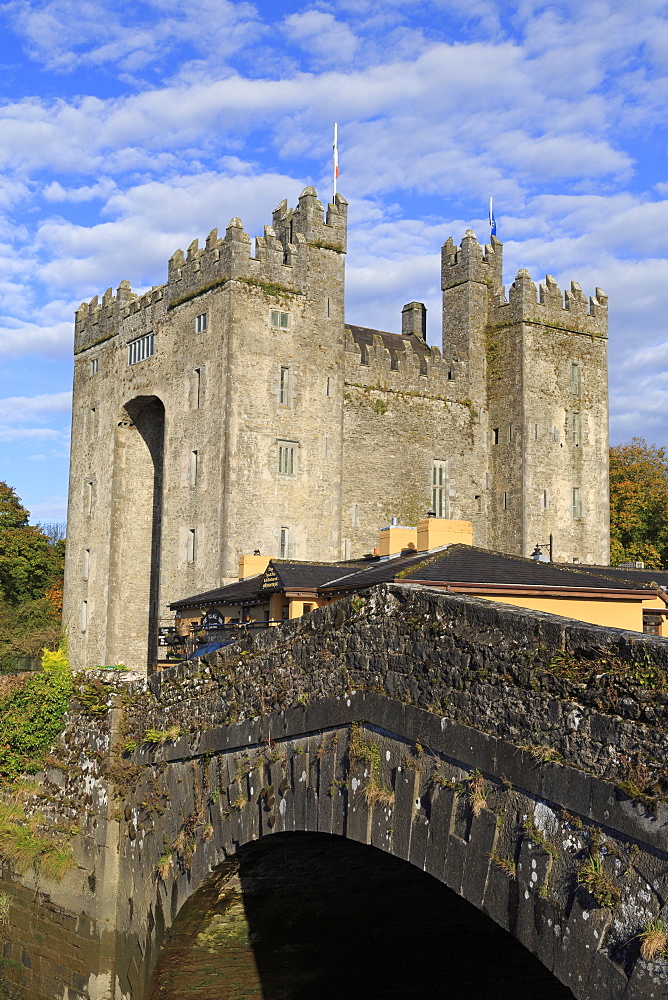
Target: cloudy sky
pixel 127 129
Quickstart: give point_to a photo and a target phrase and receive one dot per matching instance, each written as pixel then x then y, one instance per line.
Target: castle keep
pixel 233 409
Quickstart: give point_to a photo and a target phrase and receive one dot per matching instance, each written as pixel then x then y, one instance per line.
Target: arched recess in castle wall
pixel 137 486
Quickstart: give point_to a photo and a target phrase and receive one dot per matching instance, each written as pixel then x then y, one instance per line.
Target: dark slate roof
pixel 242 590
pixel 380 571
pixel 394 342
pixel 467 564
pixel 309 575
pixel 634 577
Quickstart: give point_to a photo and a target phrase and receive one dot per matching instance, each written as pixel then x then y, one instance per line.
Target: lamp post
pixel 537 554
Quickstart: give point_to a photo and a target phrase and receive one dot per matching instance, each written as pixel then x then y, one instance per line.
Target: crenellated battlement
pixel 547 305
pixel 280 261
pixel 471 261
pixel 399 363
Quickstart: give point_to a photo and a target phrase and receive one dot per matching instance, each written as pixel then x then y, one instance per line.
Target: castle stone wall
pixel 284 430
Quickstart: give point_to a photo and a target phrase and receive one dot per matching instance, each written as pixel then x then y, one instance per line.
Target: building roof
pixel 394 342
pixel 468 564
pixel 244 590
pixel 455 565
pixel 636 577
pixel 305 575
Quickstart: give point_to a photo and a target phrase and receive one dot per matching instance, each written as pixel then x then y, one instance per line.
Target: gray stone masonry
pixel 259 422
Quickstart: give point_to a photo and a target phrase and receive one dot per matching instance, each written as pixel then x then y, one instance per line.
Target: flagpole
pixel 336 156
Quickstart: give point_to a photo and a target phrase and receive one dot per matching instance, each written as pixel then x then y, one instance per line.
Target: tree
pixel 639 503
pixel 29 564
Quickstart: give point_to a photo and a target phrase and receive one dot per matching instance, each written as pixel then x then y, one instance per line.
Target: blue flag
pixel 492 220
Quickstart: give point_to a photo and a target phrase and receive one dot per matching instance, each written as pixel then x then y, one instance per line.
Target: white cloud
pixel 26 433
pixel 326 40
pixel 17 409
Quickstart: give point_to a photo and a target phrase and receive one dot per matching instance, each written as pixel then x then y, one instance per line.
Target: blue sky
pixel 127 129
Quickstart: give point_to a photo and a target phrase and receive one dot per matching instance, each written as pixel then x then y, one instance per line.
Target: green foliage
pixel 25 630
pixel 24 847
pixel 592 876
pixel 639 503
pixel 29 563
pixel 31 716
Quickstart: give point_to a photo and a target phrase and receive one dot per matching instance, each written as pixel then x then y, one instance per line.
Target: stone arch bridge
pixel 516 757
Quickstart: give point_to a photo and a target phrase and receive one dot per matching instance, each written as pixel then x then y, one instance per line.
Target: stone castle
pixel 233 409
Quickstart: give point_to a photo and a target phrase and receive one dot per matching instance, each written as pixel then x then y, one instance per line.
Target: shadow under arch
pixel 301 915
pixel 136 517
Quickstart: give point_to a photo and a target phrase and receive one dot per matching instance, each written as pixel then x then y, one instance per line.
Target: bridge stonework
pixel 464 737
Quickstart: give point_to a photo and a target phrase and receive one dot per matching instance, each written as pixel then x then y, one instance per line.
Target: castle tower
pixel 546 369
pixel 207 424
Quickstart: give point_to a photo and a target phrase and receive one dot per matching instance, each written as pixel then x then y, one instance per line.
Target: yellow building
pixel 436 553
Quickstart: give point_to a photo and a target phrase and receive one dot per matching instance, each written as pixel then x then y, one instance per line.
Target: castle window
pixel 140 349
pixel 535 432
pixel 495 436
pixel 545 500
pixel 284 543
pixel 329 313
pixel 510 433
pixel 575 380
pixel 191 549
pixel 85 565
pixel 286 458
pixel 193 468
pixel 284 387
pixel 197 388
pixel 555 435
pixel 355 515
pixel 83 616
pixel 280 320
pixel 94 366
pixel 575 429
pixel 89 496
pixel 505 500
pixel 200 323
pixel 577 502
pixel 439 487
pixel 92 423
pixel 329 387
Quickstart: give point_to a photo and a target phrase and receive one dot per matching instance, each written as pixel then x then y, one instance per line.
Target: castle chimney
pixel 414 320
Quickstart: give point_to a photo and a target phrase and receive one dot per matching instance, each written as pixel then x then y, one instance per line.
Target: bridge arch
pixel 455 804
pixel 298 915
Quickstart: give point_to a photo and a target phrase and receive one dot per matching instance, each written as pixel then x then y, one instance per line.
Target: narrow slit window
pixel 439 487
pixel 94 366
pixel 284 387
pixel 193 468
pixel 505 500
pixel 329 387
pixel 85 568
pixel 284 543
pixel 577 502
pixel 83 620
pixel 192 543
pixel 575 429
pixel 89 497
pixel 495 436
pixel 545 500
pixel 576 385
pixel 201 323
pixel 197 388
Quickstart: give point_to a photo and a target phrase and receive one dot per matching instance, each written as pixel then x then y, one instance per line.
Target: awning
pixel 209 647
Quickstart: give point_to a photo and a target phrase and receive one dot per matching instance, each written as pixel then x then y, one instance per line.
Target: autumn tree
pixel 31 570
pixel 639 504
